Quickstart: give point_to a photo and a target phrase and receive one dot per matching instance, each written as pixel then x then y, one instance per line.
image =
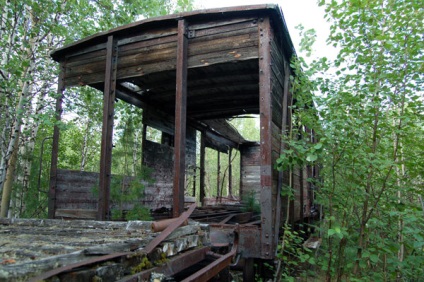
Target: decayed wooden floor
pixel 29 247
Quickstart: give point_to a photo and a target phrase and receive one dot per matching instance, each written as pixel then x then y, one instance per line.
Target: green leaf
pixel 374 258
pixel 311 157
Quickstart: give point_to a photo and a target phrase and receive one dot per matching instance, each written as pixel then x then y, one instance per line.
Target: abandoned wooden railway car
pixel 190 72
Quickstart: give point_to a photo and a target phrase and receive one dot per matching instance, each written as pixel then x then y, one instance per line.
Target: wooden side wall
pixel 154 50
pixel 250 170
pixel 76 190
pixel 221 41
pixel 281 121
pixel 76 196
pixel 160 159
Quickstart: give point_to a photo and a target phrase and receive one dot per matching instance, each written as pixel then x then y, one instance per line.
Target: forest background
pixel 369 103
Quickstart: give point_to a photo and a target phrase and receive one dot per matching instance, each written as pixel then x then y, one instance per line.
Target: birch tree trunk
pixel 10 157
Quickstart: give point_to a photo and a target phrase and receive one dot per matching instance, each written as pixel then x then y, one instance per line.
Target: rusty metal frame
pixel 206 273
pixel 172 266
pixel 107 130
pixel 180 119
pixel 165 233
pixel 69 267
pixel 265 89
pixel 55 145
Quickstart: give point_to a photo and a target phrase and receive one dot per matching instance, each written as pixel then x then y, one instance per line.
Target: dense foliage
pixel 370 103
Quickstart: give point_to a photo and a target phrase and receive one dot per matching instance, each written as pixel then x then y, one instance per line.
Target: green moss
pixel 143 265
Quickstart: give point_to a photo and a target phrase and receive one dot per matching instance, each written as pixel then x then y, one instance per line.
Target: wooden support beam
pixel 218 175
pixel 267 199
pixel 107 129
pixel 283 176
pixel 202 167
pixel 230 172
pixel 180 119
pixel 55 145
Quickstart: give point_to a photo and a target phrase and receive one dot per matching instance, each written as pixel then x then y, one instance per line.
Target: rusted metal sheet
pixel 158 226
pixel 107 130
pixel 55 145
pixel 250 241
pixel 180 120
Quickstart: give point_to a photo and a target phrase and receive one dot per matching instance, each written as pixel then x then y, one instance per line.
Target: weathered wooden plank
pixel 250 180
pixel 107 129
pixel 267 201
pixel 219 29
pixel 230 55
pixel 76 213
pixel 277 109
pixel 90 57
pixel 221 42
pixel 180 120
pixel 86 50
pixel 222 127
pixel 87 67
pixel 58 243
pixel 199 93
pixel 156 54
pixel 218 23
pixel 147 35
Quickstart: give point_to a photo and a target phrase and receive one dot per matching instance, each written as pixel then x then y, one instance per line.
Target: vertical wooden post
pixel 283 176
pixel 143 143
pixel 291 174
pixel 249 270
pixel 194 182
pixel 107 129
pixel 230 172
pixel 180 120
pixel 267 199
pixel 55 145
pixel 202 167
pixel 218 175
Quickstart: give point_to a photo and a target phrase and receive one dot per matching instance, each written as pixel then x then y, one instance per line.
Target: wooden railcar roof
pixel 272 10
